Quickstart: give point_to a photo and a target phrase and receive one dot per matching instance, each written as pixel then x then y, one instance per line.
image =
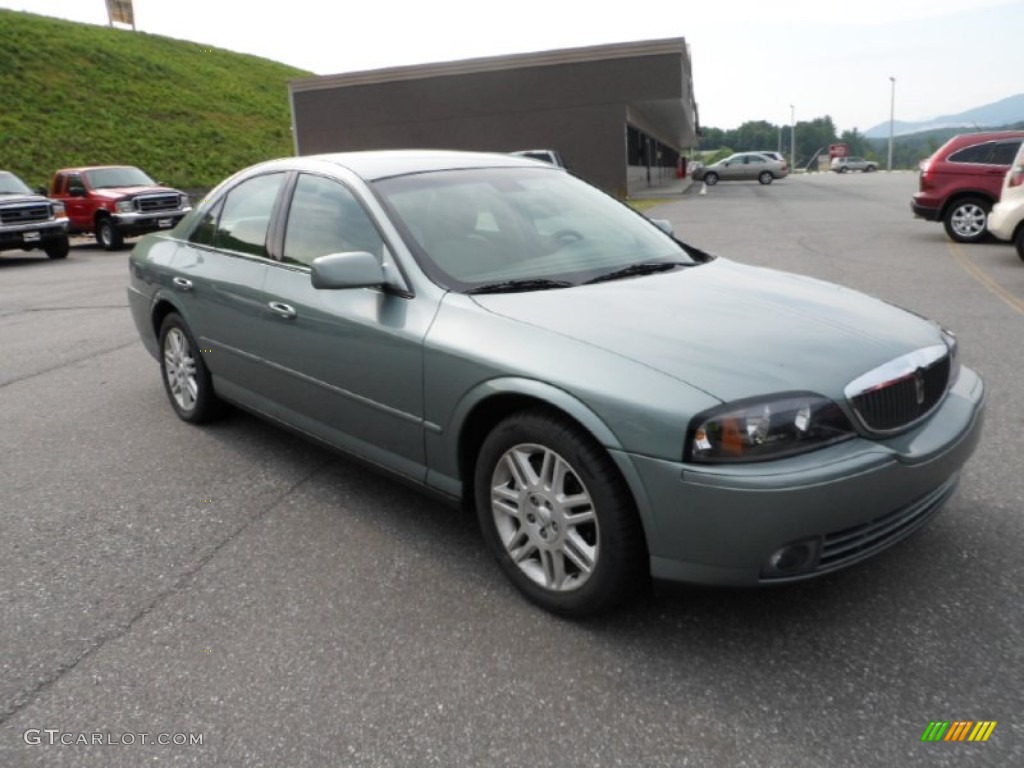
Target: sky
pixel 751 59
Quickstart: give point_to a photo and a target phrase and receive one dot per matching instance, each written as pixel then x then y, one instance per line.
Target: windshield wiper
pixel 633 270
pixel 523 284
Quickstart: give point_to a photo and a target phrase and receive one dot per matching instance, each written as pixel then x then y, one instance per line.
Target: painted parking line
pixel 976 272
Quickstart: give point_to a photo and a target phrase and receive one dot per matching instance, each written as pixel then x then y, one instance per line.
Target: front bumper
pixel 721 524
pixel 28 236
pixel 144 223
pixel 1004 218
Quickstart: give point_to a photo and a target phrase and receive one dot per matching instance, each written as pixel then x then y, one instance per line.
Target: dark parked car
pixel 29 220
pixel 961 182
pixel 613 403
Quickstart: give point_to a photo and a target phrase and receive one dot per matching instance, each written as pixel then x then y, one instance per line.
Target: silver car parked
pixel 743 166
pixel 613 403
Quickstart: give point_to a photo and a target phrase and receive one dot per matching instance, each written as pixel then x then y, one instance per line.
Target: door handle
pixel 182 284
pixel 282 310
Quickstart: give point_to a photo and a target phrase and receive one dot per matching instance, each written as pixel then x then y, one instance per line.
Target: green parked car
pixel 613 403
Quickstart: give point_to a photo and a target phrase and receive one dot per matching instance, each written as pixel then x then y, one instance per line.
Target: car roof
pixel 81 168
pixel 379 164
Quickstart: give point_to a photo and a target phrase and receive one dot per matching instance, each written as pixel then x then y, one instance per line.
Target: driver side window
pixel 324 218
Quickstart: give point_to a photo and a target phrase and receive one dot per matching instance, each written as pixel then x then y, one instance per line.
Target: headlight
pixel 765 428
pixel 184 202
pixel 124 206
pixel 59 211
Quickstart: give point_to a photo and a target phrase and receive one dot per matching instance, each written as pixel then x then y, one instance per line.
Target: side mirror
pixel 354 269
pixel 76 192
pixel 664 225
pixel 41 190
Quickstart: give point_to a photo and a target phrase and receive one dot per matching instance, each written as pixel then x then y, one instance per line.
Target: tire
pixel 965 219
pixel 843 169
pixel 58 249
pixel 185 376
pixel 711 178
pixel 577 560
pixel 870 169
pixel 108 235
pixel 765 177
pixel 1018 242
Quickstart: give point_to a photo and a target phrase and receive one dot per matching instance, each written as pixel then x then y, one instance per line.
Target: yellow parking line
pixel 974 271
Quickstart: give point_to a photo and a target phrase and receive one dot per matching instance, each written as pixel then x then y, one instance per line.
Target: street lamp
pixel 792 137
pixel 892 117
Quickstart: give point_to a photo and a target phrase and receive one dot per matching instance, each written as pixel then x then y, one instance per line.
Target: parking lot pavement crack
pixel 67 363
pixel 28 697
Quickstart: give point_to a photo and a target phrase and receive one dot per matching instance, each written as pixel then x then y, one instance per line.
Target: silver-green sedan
pixel 612 403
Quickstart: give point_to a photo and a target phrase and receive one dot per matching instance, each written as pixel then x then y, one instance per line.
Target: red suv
pixel 963 179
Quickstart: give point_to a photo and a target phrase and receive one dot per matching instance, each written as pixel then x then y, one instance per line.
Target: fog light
pixel 792 559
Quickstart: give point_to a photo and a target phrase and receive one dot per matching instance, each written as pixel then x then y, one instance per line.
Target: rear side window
pixel 977 153
pixel 245 217
pixel 1005 152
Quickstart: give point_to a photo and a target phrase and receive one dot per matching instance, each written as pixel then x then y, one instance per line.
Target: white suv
pixel 1006 221
pixel 844 164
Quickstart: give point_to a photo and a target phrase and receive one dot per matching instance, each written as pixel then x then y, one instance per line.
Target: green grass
pixel 189 115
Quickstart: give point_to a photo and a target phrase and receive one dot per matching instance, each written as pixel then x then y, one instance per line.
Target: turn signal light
pixel 1017 176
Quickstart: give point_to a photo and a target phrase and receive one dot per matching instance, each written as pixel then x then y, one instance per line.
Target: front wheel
pixel 765 177
pixel 965 220
pixel 108 235
pixel 186 378
pixel 58 249
pixel 711 178
pixel 1018 242
pixel 557 516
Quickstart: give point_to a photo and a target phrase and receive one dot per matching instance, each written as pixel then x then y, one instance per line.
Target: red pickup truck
pixel 116 201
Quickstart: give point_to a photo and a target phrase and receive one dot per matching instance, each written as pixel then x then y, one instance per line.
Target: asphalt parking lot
pixel 288 607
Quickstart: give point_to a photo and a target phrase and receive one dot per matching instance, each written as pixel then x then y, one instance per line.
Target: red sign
pixel 838 150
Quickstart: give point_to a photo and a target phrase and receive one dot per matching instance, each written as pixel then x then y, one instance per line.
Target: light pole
pixel 792 137
pixel 892 117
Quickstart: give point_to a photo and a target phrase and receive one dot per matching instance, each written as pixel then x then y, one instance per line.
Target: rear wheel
pixel 58 249
pixel 711 178
pixel 965 219
pixel 184 373
pixel 108 235
pixel 765 177
pixel 557 515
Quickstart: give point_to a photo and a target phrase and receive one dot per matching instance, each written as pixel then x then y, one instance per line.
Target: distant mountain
pixel 1004 112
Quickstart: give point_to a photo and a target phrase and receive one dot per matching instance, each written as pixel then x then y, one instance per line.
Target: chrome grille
pixel 25 214
pixel 844 547
pixel 156 203
pixel 901 392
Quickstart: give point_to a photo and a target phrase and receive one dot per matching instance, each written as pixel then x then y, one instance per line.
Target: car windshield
pixel 103 178
pixel 12 185
pixel 522 228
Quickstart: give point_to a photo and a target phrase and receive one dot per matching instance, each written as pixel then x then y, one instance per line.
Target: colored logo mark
pixel 958 730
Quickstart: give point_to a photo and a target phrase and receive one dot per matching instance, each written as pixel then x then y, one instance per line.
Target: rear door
pixel 219 274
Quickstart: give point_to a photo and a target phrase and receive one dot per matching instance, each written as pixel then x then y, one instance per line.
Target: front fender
pixel 442 441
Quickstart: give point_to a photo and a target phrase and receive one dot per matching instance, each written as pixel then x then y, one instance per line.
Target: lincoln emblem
pixel 919 386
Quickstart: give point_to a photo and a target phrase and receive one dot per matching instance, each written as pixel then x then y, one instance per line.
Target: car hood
pixel 14 198
pixel 116 193
pixel 729 329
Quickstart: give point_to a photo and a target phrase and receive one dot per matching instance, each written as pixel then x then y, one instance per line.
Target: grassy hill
pixel 189 115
